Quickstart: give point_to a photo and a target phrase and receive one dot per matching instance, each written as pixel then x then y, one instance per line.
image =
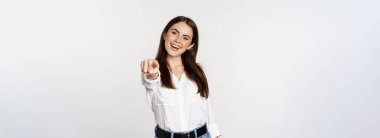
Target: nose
pixel 177 39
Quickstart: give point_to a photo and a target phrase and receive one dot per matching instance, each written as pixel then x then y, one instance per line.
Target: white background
pixel 277 69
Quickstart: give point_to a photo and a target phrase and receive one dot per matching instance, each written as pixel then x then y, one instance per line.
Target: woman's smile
pixel 175 47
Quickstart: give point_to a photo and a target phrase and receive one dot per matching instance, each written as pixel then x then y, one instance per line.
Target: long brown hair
pixel 192 69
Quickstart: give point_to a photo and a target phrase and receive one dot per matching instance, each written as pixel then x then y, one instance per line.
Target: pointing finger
pixel 150 62
pixel 145 66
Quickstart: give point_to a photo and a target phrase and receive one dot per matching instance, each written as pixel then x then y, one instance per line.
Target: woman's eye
pixel 174 33
pixel 186 38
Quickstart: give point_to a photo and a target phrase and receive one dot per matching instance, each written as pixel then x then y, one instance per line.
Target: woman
pixel 176 86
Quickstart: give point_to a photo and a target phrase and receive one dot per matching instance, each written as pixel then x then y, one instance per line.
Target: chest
pixel 184 93
pixel 178 72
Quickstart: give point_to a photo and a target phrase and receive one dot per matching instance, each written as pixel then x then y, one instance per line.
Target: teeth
pixel 175 46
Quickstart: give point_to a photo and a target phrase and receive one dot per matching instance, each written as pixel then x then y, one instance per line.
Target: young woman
pixel 176 86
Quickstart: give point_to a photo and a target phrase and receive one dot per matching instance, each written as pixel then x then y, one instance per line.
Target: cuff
pixel 148 82
pixel 213 130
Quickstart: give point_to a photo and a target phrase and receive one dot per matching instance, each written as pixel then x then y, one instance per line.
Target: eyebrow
pixel 178 32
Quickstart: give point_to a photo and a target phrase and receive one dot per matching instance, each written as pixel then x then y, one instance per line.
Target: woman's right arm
pixel 150 76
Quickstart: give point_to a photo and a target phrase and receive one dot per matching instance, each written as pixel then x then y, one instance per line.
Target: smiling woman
pixel 176 85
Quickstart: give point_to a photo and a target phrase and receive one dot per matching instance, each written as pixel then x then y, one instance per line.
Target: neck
pixel 174 61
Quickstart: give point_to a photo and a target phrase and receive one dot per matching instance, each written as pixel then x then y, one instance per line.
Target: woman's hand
pixel 150 68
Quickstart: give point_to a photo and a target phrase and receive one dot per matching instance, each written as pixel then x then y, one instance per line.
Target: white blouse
pixel 180 109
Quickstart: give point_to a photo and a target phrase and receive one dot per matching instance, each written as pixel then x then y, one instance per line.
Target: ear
pixel 188 48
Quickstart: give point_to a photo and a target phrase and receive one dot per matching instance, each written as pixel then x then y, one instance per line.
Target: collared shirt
pixel 181 109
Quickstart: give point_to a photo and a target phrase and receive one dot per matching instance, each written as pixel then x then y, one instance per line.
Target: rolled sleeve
pixel 148 83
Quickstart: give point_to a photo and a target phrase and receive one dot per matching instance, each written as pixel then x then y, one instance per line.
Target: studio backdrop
pixel 276 69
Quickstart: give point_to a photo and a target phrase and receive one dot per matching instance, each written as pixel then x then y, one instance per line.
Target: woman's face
pixel 178 39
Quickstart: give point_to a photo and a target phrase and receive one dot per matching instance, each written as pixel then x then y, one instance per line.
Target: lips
pixel 175 47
